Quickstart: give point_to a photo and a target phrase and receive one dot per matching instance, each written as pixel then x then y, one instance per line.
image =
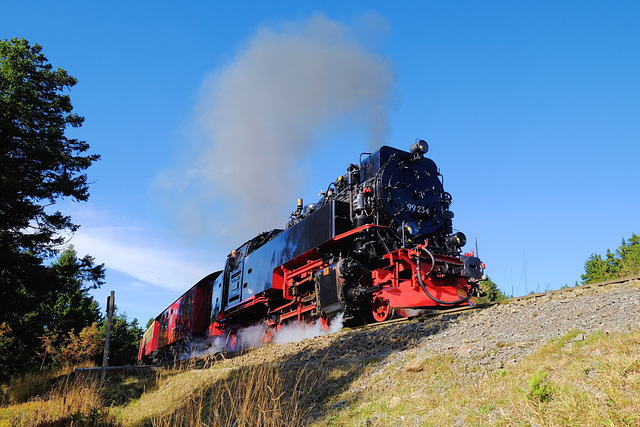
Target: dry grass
pixel 70 400
pixel 574 380
pixel 261 395
pixel 173 389
pixel 33 384
pixel 26 387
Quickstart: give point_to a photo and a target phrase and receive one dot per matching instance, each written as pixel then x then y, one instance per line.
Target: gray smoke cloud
pixel 267 109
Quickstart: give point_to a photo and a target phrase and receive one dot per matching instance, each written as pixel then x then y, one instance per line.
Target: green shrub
pixel 539 390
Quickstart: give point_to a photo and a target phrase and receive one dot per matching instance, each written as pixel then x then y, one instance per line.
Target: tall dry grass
pixel 26 387
pixel 67 400
pixel 258 395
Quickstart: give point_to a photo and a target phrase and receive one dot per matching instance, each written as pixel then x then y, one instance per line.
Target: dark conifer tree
pixel 39 165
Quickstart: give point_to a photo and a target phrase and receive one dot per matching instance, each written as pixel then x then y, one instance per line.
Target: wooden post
pixel 111 300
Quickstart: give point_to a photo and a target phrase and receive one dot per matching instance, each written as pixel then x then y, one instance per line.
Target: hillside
pixel 377 375
pixel 568 356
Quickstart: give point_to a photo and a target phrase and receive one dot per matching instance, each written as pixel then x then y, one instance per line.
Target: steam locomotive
pixel 379 243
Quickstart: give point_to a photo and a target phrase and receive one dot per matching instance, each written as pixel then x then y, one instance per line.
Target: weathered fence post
pixel 111 300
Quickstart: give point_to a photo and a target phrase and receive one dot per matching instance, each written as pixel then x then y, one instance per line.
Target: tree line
pixel 624 262
pixel 621 263
pixel 47 316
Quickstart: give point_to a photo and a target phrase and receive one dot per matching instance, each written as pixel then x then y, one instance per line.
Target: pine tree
pixel 625 261
pixel 629 253
pixel 39 165
pixel 125 340
pixel 493 293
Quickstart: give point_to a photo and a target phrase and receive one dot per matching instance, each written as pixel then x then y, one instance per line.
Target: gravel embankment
pixel 492 338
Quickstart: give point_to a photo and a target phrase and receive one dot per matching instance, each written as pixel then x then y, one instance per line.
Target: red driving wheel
pixel 381 309
pixel 268 336
pixel 324 323
pixel 232 342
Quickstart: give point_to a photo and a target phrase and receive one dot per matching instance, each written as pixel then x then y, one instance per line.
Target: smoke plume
pixel 267 109
pixel 251 337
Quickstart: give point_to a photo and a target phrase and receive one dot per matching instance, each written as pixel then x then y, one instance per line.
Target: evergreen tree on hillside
pixel 125 340
pixel 68 308
pixel 629 254
pixel 624 262
pixel 39 165
pixel 493 293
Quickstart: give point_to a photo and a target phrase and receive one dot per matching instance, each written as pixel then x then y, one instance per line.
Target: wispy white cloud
pixel 135 252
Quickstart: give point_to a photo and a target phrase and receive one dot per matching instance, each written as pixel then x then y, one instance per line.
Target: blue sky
pixel 531 110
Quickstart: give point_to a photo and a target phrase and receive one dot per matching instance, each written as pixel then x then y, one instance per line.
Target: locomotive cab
pixel 233 273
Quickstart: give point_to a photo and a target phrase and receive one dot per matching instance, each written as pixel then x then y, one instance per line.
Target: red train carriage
pixel 187 317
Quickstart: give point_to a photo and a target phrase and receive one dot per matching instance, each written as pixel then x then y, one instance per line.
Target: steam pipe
pixel 424 287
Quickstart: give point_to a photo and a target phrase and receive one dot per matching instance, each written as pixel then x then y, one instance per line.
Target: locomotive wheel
pixel 324 323
pixel 381 309
pixel 267 337
pixel 232 342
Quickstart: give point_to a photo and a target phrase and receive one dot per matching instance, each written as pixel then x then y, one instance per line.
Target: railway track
pixel 595 287
pixel 578 289
pixel 525 299
pixel 433 313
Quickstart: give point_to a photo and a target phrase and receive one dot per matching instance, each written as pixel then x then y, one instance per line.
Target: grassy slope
pixel 590 381
pixel 577 379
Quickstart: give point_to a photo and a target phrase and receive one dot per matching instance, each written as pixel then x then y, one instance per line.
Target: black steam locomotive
pixel 379 243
